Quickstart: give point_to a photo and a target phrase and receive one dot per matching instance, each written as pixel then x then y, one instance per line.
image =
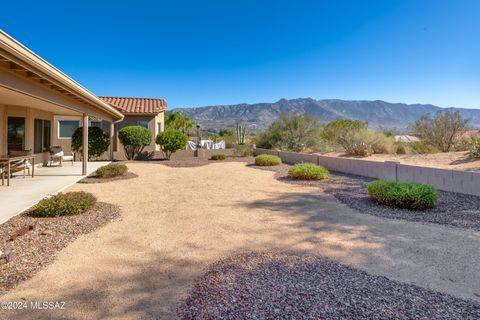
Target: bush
pixel 409 195
pixel 98 141
pixel 111 170
pixel 443 130
pixel 360 149
pixel 308 171
pixel 474 151
pixel 134 139
pixel 400 148
pixel 171 141
pixel 243 150
pixel 267 160
pixel 292 132
pixel 65 204
pixel 421 147
pixel 218 156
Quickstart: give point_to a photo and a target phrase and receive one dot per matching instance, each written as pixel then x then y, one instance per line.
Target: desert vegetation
pixel 308 171
pixel 134 139
pixel 98 141
pixel 69 203
pixel 218 156
pixel 111 170
pixel 171 141
pixel 408 195
pixel 444 131
pixel 267 160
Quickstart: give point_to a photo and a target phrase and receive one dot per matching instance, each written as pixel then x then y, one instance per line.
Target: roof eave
pixel 41 67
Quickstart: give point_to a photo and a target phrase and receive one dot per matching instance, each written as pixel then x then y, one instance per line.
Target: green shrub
pixel 400 148
pixel 267 160
pixel 474 151
pixel 308 171
pixel 111 170
pixel 98 141
pixel 171 141
pixel 421 147
pixel 134 139
pixel 409 195
pixel 65 204
pixel 218 156
pixel 243 150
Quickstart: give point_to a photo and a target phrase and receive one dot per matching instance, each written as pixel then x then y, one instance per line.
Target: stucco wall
pixel 443 179
pixel 30 114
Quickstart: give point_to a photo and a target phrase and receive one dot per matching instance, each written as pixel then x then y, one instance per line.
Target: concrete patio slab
pixel 25 192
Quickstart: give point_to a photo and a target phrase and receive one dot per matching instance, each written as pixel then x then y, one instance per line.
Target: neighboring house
pixel 145 112
pixel 40 106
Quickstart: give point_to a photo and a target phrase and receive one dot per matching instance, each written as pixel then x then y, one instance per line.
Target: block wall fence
pixel 444 179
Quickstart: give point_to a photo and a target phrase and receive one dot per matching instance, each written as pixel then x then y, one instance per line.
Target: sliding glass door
pixel 42 135
pixel 16 133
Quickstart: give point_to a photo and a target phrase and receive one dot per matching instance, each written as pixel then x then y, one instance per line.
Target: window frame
pixel 43 139
pixel 66 120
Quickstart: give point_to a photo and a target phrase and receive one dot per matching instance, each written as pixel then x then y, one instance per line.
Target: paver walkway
pixel 176 221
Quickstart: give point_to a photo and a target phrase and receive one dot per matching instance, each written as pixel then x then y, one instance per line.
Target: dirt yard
pixel 447 160
pixel 175 222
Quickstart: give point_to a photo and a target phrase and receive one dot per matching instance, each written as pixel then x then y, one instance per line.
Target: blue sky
pixel 196 53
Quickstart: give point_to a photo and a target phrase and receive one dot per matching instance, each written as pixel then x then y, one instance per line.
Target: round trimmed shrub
pixel 218 156
pixel 308 171
pixel 134 139
pixel 407 195
pixel 69 203
pixel 98 141
pixel 111 170
pixel 267 160
pixel 171 141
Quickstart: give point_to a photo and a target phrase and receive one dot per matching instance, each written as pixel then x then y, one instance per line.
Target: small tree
pixel 292 132
pixel 344 132
pixel 98 141
pixel 442 130
pixel 134 139
pixel 171 141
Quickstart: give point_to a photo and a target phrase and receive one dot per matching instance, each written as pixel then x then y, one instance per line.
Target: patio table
pixel 6 162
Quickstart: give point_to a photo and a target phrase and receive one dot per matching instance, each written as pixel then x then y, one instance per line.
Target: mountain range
pixel 379 114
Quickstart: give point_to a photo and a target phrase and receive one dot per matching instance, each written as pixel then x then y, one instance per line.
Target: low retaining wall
pixel 444 179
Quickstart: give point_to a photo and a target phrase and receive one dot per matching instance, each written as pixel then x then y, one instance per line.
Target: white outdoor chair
pixel 57 154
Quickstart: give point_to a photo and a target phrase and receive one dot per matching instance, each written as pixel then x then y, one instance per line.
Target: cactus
pixel 240 133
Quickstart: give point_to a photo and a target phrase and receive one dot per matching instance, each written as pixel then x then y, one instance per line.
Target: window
pixel 159 127
pixel 142 124
pixel 66 128
pixel 42 132
pixel 16 133
pixel 96 124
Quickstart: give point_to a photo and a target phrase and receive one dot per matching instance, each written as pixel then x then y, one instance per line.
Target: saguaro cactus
pixel 240 132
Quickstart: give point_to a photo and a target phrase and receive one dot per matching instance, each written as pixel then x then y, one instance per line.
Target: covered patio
pixel 26 192
pixel 40 107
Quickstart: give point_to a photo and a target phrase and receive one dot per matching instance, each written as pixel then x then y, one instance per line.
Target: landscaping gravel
pixel 199 162
pixel 453 209
pixel 292 286
pixel 94 179
pixel 38 247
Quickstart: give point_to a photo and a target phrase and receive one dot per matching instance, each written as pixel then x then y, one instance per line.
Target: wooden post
pixel 85 145
pixel 112 136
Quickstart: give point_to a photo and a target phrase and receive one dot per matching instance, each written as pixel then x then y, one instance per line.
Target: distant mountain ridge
pixel 379 114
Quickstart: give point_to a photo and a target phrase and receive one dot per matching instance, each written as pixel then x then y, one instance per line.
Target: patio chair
pixel 20 164
pixel 57 154
pixel 2 173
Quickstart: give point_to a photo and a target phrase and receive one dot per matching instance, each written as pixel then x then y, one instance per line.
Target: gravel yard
pixel 453 209
pixel 290 286
pixel 94 179
pixel 178 221
pixel 39 247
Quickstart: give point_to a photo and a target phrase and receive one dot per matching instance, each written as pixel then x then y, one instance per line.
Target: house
pixel 40 106
pixel 144 112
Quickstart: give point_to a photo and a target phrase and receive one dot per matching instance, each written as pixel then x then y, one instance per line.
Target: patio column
pixel 112 136
pixel 85 145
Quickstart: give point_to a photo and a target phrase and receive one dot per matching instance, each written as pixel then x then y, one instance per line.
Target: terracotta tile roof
pixel 136 105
